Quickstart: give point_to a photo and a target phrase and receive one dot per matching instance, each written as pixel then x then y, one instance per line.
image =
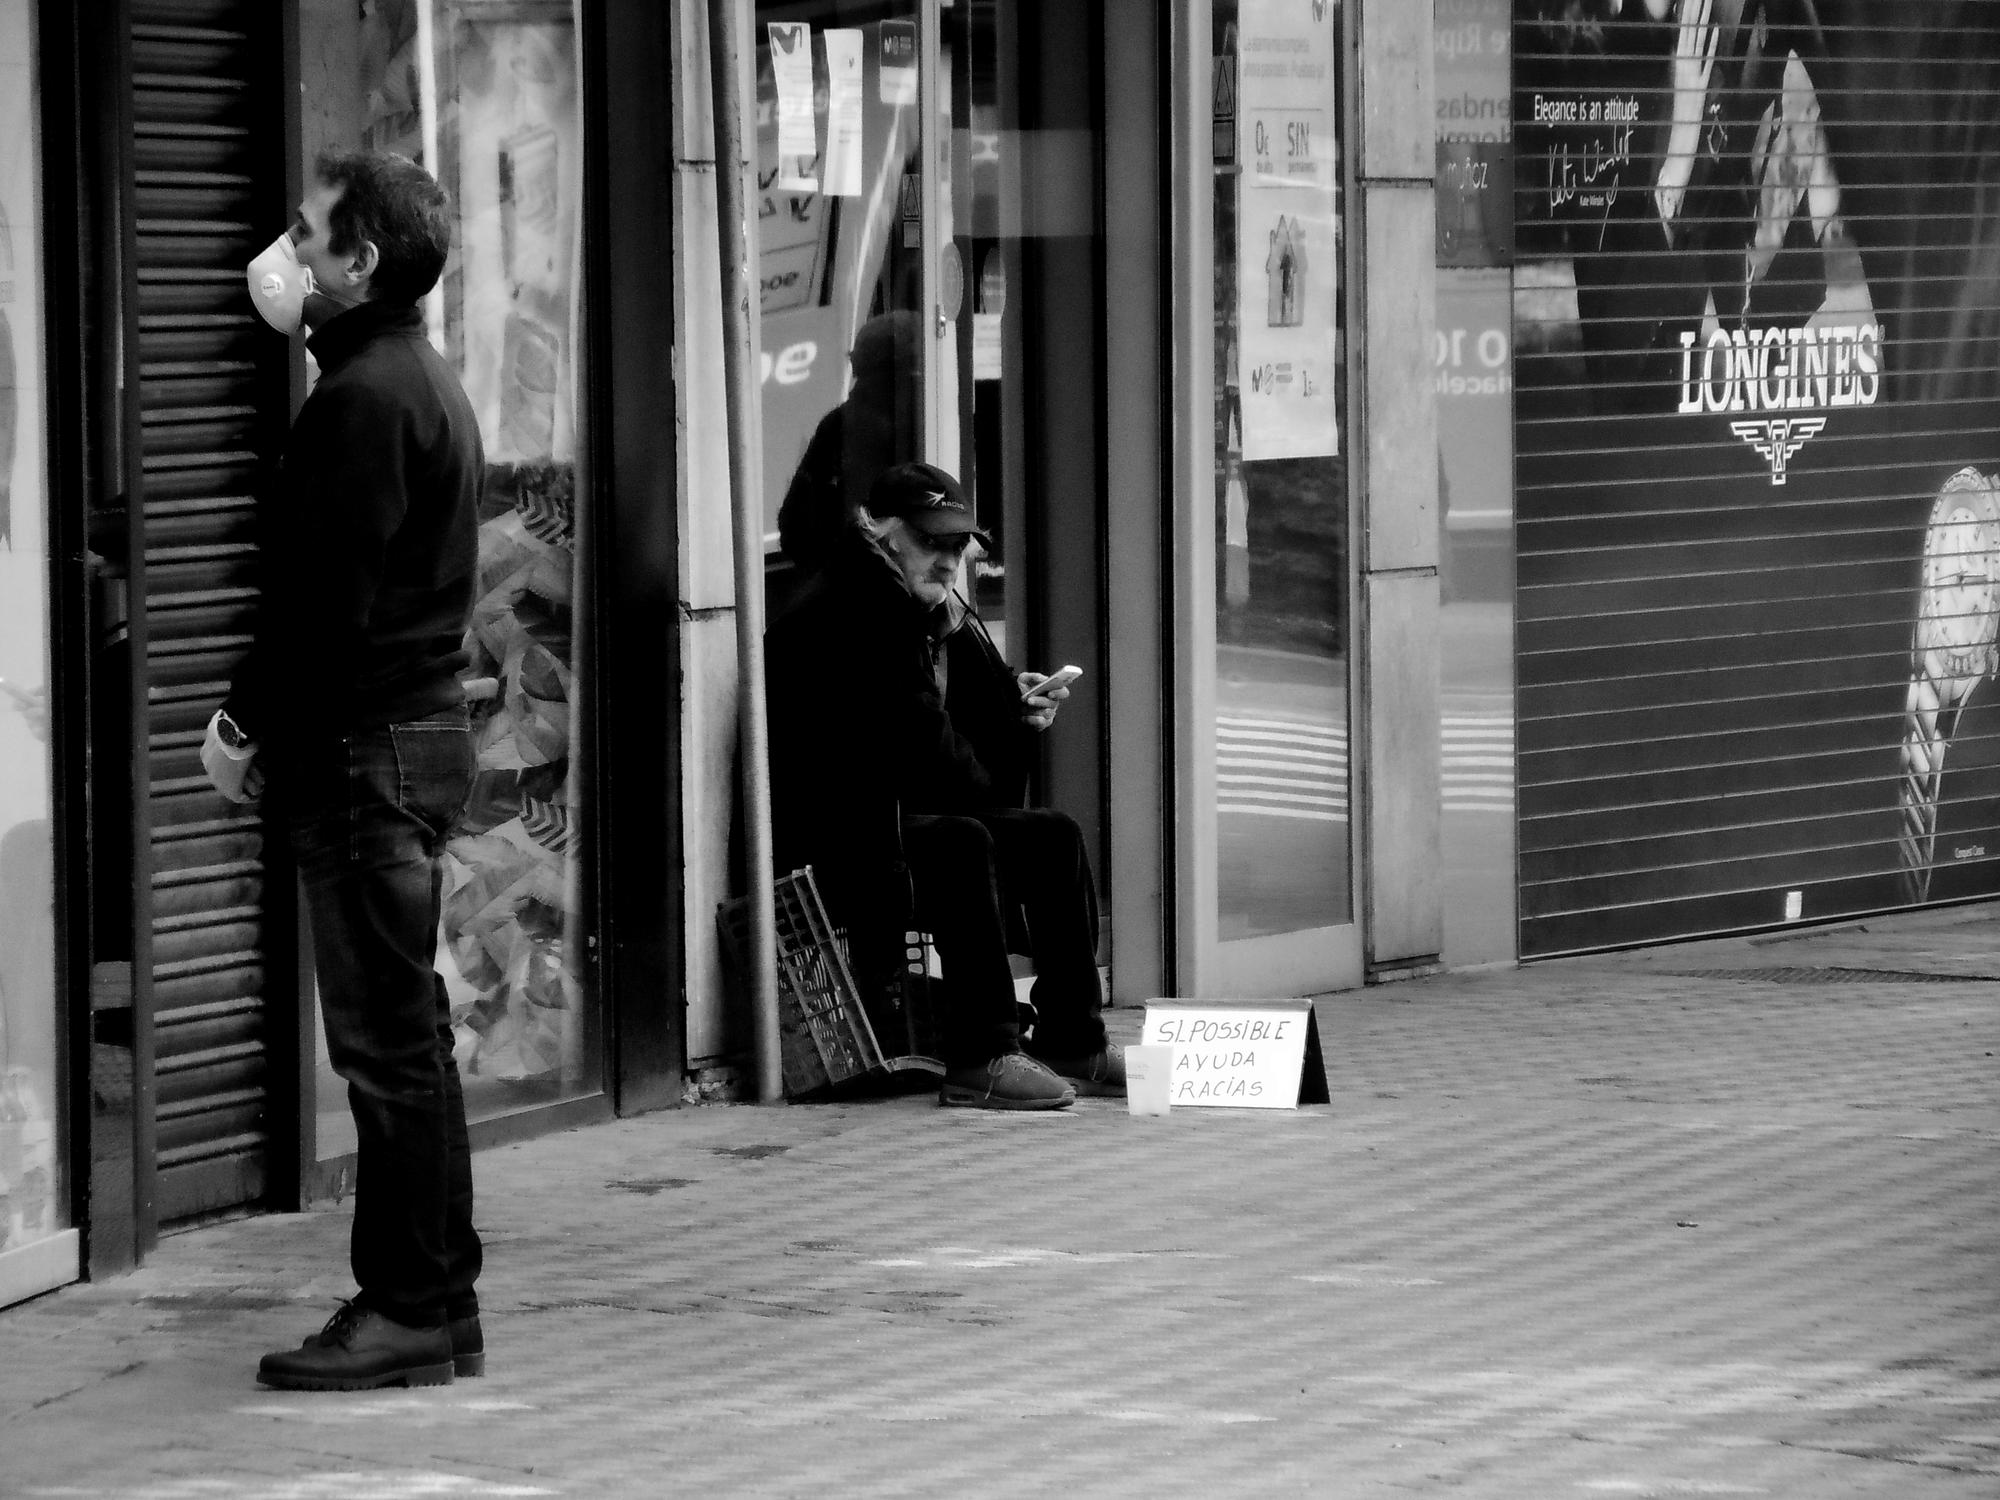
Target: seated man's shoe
pixel 1012 1080
pixel 468 1347
pixel 1099 1075
pixel 359 1350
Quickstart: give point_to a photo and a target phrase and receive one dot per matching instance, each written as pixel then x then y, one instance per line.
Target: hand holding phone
pixel 1060 678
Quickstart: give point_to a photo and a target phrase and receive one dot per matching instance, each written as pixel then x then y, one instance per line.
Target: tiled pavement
pixel 1612 1227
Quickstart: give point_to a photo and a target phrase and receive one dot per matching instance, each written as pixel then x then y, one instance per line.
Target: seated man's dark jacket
pixel 860 733
pixel 370 540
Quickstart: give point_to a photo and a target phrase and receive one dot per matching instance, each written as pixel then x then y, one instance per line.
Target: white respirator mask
pixel 279 285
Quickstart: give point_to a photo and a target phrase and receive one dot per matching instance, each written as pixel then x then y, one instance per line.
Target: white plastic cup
pixel 1149 1079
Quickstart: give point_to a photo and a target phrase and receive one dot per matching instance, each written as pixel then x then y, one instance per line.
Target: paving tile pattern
pixel 1590 1228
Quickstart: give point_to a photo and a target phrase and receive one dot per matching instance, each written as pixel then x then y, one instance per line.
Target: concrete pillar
pixel 707 581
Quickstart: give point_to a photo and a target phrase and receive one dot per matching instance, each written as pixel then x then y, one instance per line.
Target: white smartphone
pixel 1061 677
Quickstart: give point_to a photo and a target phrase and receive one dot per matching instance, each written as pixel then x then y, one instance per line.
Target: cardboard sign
pixel 1239 1054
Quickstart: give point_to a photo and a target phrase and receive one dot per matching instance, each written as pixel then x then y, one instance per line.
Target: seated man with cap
pixel 900 748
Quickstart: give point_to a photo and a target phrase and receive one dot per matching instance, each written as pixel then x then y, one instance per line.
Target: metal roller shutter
pixel 1757 316
pixel 206 193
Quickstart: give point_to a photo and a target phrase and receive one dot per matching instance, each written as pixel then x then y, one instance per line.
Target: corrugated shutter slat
pixel 203 204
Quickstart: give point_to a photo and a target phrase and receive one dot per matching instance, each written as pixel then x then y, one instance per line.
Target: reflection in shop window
pixel 33 1187
pixel 486 93
pixel 1281 519
pixel 839 252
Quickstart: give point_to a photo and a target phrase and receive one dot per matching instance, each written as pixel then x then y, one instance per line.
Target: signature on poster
pixel 1575 168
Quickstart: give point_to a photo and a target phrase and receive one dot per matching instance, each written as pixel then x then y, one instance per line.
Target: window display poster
pixel 1758 471
pixel 1475 163
pixel 514 915
pixel 1288 243
pixel 791 211
pixel 843 113
pixel 801 368
pixel 792 71
pixel 519 187
pixel 30 1188
pixel 508 126
pixel 1475 399
pixel 896 62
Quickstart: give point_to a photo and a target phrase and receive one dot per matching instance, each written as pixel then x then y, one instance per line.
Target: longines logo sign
pixel 1792 373
pixel 1776 439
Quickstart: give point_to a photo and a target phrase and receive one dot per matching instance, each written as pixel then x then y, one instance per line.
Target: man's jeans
pixel 368 816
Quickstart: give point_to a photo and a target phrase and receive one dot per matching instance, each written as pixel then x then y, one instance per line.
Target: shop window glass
pixel 1281 536
pixel 486 94
pixel 840 246
pixel 1474 357
pixel 928 251
pixel 33 1194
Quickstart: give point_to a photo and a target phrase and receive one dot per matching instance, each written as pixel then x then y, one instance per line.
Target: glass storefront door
pixel 38 1249
pixel 843 204
pixel 486 94
pixel 903 239
pixel 911 217
pixel 1275 697
pixel 928 243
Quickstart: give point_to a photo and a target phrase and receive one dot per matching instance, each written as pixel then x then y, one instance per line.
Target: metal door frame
pixel 1292 963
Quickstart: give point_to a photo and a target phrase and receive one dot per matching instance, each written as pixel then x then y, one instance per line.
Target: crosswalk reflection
pixel 1271 766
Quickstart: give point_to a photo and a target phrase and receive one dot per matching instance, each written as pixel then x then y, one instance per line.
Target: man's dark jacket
pixel 860 732
pixel 370 540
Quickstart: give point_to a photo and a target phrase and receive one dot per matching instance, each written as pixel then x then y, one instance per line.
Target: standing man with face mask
pixel 348 716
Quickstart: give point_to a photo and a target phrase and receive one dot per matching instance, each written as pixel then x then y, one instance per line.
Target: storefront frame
pixel 636 951
pixel 1165 606
pixel 630 461
pixel 57 1258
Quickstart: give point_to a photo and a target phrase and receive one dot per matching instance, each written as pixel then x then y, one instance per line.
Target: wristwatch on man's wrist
pixel 229 731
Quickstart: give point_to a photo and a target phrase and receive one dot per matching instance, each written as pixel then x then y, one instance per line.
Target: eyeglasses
pixel 943 546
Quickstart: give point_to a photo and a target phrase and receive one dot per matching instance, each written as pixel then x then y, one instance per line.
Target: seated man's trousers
pixel 969 872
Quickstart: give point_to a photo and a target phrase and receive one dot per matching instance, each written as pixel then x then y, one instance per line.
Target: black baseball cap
pixel 929 499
